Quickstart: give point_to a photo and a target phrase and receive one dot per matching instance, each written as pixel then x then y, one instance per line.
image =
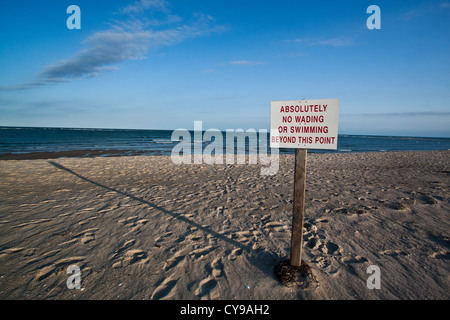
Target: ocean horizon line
pixel 223 131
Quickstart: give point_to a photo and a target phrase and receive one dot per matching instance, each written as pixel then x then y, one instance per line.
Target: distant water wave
pixel 22 140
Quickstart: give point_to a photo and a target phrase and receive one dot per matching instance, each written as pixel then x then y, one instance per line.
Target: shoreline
pixel 142 227
pixel 85 153
pixel 94 153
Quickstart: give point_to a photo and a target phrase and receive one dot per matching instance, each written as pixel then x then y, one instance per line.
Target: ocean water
pixel 21 140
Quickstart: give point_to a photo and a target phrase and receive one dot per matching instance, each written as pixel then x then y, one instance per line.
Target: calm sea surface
pixel 158 142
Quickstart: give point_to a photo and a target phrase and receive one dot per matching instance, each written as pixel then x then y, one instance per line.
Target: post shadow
pixel 179 216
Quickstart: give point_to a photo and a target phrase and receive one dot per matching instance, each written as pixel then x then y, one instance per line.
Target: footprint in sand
pixel 202 252
pixel 331 248
pixel 53 268
pixel 206 289
pixel 352 211
pixel 134 223
pixel 313 243
pixel 325 252
pixel 133 256
pixel 124 256
pixel 394 253
pixel 164 290
pixel 243 236
pixel 159 240
pixel 399 206
pixel 85 236
pixel 357 259
pixel 194 236
pixel 234 254
pixel 441 255
pixel 430 200
pixel 329 265
pixel 174 261
pixel 130 257
pixel 352 265
pixel 276 227
pixel 316 238
pixel 325 247
pixel 215 268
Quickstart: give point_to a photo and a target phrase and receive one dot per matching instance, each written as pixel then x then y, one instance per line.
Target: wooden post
pixel 299 207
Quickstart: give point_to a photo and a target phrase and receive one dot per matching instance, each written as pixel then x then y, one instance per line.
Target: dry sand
pixel 144 228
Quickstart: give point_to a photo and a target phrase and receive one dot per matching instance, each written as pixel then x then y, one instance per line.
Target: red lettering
pixel 286 119
pixel 324 140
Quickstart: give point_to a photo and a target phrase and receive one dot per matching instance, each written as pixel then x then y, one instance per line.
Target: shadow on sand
pixel 263 260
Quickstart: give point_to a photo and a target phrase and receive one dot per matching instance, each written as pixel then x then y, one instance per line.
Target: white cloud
pixel 143 5
pixel 341 41
pixel 298 40
pixel 334 42
pixel 129 39
pixel 425 10
pixel 244 63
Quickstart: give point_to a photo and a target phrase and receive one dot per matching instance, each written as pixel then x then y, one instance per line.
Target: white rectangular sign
pixel 307 124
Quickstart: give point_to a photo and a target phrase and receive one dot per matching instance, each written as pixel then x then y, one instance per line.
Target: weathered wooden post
pixel 302 124
pixel 299 207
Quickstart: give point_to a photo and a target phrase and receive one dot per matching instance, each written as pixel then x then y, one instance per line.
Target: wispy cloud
pixel 237 63
pixel 334 42
pixel 143 5
pixel 298 40
pixel 341 41
pixel 129 39
pixel 426 9
pixel 244 63
pixel 411 14
pixel 152 12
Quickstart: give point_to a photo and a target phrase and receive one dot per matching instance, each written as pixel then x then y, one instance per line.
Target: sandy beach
pixel 141 227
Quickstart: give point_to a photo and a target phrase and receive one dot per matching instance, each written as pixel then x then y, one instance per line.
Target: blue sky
pixel 161 64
